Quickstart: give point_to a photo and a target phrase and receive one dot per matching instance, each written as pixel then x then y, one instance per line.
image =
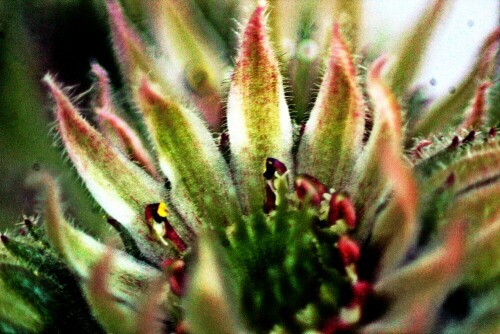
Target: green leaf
pixel 81 252
pixel 450 108
pixel 121 188
pixel 333 134
pixel 190 159
pixel 369 186
pixel 208 304
pixel 115 128
pixel 412 49
pixel 419 288
pixel 258 119
pixel 396 229
pixel 194 54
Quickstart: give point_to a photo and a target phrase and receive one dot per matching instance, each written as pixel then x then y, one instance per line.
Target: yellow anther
pixel 162 210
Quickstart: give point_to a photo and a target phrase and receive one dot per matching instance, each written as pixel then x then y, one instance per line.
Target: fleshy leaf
pixel 333 134
pixel 421 286
pixel 115 128
pixel 482 264
pixel 478 167
pixel 130 50
pixel 81 252
pixel 192 53
pixel 122 188
pixel 152 316
pixel 208 290
pixel 370 185
pixel 412 49
pixel 348 14
pixel 476 115
pixel 189 158
pixel 450 107
pixel 395 230
pixel 258 120
pixel 113 316
pixel 285 20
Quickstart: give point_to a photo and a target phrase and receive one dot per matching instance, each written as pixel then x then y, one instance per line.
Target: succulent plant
pixel 365 210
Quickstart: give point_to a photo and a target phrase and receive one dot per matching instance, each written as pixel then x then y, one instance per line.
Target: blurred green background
pixel 61 37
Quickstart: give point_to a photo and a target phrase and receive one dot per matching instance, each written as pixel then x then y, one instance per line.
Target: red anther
pixel 470 137
pixel 5 239
pixel 28 223
pixel 342 208
pixel 177 280
pixel 492 133
pixel 450 180
pixel 308 186
pixel 361 290
pixel 333 212
pixel 335 325
pixel 349 250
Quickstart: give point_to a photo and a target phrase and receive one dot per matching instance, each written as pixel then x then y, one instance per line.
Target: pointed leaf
pixel 258 120
pixel 333 134
pixel 129 48
pixel 480 166
pixel 208 290
pixel 115 129
pixel 113 316
pixel 475 117
pixel 449 108
pixel 118 185
pixel 348 14
pixel 396 229
pixel 152 315
pixel 482 265
pixel 189 158
pixel 286 20
pixel 412 49
pixel 370 184
pixel 194 54
pixel 421 286
pixel 81 252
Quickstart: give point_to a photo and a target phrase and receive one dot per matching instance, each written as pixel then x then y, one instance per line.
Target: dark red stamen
pixel 470 137
pixel 274 166
pixel 492 133
pixel 270 204
pixel 171 235
pixel 455 142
